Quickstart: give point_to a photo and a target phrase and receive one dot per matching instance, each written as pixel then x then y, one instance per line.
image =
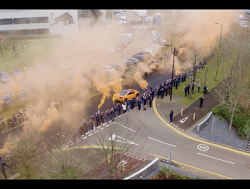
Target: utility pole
pixel 3 164
pixel 192 78
pixel 172 75
pixel 218 64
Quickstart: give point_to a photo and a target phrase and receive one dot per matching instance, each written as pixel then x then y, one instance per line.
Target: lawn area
pixel 35 49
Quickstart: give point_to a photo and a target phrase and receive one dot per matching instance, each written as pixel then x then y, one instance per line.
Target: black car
pixel 5 76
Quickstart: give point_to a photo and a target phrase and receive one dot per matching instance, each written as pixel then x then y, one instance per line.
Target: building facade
pixel 39 22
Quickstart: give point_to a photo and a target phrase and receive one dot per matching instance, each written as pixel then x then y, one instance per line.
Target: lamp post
pixel 174 52
pixel 218 51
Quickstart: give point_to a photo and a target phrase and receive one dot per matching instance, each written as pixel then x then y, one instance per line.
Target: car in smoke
pixel 131 61
pixel 23 95
pixel 18 74
pixel 5 77
pixel 140 56
pixel 7 99
pixel 127 94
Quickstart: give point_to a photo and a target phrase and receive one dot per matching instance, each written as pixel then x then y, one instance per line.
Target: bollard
pixel 181 111
pixel 194 117
pixel 122 167
pixel 108 159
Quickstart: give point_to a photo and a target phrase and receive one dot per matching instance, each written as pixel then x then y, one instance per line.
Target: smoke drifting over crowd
pixel 88 50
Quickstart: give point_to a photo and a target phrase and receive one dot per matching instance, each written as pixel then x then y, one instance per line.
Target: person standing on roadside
pixel 199 86
pixel 201 101
pixel 139 103
pixel 128 105
pixel 119 107
pixel 124 108
pixel 171 115
pixel 108 115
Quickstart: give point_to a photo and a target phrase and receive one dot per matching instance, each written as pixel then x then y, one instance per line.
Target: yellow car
pixel 127 94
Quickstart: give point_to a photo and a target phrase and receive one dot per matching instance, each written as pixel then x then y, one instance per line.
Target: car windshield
pixel 124 92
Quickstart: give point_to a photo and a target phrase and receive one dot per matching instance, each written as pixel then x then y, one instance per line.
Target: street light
pixel 218 50
pixel 174 52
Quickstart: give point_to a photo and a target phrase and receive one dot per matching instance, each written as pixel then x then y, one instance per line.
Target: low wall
pixel 144 171
pixel 203 124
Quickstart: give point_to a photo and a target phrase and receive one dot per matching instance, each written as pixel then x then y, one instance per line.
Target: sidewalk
pixel 215 131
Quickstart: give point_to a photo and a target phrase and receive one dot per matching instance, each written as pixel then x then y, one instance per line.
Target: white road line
pixel 101 128
pixel 90 134
pixel 215 158
pixel 125 127
pixel 161 142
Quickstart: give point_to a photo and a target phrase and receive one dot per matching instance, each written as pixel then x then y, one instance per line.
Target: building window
pixel 21 20
pixel 7 21
pixel 39 20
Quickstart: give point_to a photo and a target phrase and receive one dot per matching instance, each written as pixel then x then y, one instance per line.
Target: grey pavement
pixel 216 131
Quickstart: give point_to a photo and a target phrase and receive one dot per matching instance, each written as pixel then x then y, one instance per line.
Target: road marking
pixel 101 128
pixel 202 147
pixel 116 138
pixel 183 120
pixel 90 134
pixel 193 138
pixel 194 167
pixel 215 158
pixel 161 142
pixel 125 127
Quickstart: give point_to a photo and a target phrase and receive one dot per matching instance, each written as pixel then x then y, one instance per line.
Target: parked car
pixel 5 76
pixel 140 56
pixel 7 99
pixel 23 95
pixel 18 74
pixel 131 61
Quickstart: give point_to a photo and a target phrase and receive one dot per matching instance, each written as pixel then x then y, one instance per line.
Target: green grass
pixel 201 75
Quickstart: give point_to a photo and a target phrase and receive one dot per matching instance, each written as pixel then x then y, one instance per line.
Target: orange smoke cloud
pixel 15 89
pixel 53 114
pixel 105 90
pixel 116 86
pixel 177 69
pixel 8 146
pixel 45 126
pixel 139 79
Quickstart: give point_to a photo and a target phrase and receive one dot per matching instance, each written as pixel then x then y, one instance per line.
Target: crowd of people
pixel 14 121
pixel 142 101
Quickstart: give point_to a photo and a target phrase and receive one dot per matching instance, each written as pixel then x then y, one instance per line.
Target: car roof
pixel 6 96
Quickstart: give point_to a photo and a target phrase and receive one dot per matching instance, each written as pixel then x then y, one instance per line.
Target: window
pixel 39 20
pixel 21 20
pixel 6 21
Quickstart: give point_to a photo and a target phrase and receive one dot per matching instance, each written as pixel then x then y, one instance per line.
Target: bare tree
pixel 113 145
pixel 15 45
pixel 2 49
pixel 233 87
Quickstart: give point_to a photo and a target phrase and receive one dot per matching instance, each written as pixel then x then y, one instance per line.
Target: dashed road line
pixel 161 142
pixel 215 158
pixel 124 126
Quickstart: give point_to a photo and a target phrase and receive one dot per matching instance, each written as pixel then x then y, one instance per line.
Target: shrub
pixel 244 130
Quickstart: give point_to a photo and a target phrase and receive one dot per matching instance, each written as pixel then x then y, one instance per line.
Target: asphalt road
pixel 152 138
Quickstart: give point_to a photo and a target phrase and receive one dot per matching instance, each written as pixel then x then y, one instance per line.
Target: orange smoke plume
pixel 139 79
pixel 15 89
pixel 8 146
pixel 177 70
pixel 116 86
pixel 45 126
pixel 105 90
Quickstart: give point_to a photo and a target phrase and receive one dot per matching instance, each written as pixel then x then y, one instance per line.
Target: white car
pixel 65 65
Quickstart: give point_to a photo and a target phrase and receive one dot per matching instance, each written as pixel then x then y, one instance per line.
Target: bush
pixel 244 130
pixel 241 119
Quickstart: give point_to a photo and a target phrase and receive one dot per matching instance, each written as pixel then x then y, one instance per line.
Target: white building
pixel 38 22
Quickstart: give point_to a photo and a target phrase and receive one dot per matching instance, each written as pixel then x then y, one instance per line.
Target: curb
pixel 198 138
